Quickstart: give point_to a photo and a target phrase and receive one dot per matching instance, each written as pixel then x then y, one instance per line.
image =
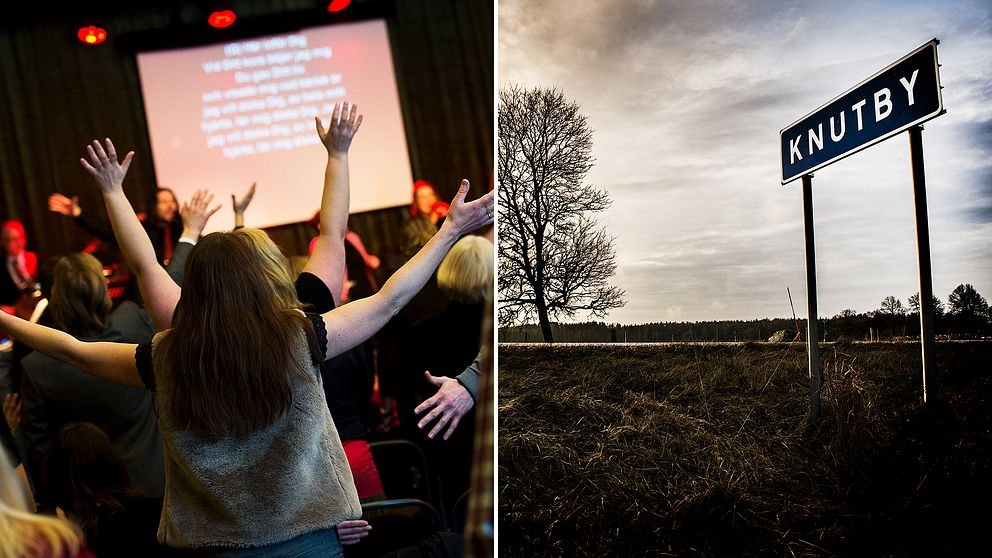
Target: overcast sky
pixel 686 100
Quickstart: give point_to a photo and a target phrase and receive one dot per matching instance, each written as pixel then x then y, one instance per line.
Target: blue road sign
pixel 904 94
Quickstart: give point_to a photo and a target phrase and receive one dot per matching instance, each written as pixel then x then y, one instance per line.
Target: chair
pixel 402 469
pixel 395 524
pixel 456 521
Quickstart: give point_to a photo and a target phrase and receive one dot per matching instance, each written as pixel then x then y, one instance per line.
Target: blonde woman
pixel 24 534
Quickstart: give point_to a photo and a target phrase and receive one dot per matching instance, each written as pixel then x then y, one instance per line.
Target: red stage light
pixel 91 35
pixel 221 20
pixel 338 5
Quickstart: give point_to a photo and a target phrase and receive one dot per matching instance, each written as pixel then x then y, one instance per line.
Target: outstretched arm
pixel 355 322
pixel 113 362
pixel 57 203
pixel 327 260
pixel 159 291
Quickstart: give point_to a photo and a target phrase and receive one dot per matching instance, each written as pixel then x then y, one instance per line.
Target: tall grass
pixel 709 450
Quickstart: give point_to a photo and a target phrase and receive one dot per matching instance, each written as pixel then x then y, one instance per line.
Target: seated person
pixel 87 480
pixel 23 533
pixel 54 393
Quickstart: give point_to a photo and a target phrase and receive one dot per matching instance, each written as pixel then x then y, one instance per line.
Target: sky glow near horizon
pixel 686 101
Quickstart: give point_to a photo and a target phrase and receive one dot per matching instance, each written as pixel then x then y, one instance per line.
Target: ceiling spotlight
pixel 338 5
pixel 222 19
pixel 92 35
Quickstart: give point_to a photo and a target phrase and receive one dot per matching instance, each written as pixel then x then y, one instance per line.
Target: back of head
pixel 23 533
pixel 230 351
pixel 80 303
pixel 273 264
pixel 82 471
pixel 466 273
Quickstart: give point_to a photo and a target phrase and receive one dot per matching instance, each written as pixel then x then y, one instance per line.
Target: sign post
pixel 923 250
pixel 897 98
pixel 812 319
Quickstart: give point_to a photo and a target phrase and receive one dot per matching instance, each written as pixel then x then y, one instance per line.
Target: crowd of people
pixel 226 408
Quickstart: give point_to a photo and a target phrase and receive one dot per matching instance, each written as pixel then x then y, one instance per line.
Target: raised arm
pixel 195 214
pixel 159 291
pixel 327 260
pixel 355 322
pixel 113 362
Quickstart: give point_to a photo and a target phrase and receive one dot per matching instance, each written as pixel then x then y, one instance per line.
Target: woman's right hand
pixel 471 216
pixel 341 129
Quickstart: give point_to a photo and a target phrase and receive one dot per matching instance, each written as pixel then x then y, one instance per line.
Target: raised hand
pixel 241 205
pixel 57 203
pixel 196 213
pixel 345 121
pixel 103 165
pixel 450 403
pixel 467 217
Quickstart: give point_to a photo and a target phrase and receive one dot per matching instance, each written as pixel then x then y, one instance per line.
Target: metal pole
pixel 923 248
pixel 812 335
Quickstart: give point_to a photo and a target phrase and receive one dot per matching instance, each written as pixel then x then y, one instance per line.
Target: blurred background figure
pixel 161 220
pixel 19 266
pixel 426 203
pixel 23 533
pixel 87 480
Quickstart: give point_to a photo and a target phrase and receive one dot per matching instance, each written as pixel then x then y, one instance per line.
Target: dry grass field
pixel 708 449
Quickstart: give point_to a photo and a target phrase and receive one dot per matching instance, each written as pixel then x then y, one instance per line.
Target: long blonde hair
pixel 23 533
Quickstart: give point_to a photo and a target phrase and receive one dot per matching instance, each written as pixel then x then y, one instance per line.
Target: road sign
pixel 901 95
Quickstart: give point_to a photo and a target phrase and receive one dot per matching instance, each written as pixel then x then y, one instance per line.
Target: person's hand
pixel 57 203
pixel 345 121
pixel 196 213
pixel 103 166
pixel 12 410
pixel 467 217
pixel 352 531
pixel 241 205
pixel 451 402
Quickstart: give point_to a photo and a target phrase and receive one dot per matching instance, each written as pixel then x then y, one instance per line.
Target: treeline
pixel 599 332
pixel 966 315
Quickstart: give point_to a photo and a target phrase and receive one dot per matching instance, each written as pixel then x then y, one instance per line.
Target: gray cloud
pixel 687 100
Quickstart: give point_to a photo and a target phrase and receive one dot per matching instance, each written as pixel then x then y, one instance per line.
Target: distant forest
pixel 966 316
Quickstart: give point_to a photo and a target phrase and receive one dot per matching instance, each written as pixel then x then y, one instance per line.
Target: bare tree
pixel 553 260
pixel 892 306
